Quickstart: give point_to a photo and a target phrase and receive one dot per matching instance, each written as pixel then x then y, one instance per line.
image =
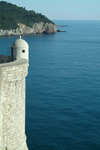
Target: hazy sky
pixel 63 9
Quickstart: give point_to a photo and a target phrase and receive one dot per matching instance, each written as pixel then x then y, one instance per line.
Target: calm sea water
pixel 63 87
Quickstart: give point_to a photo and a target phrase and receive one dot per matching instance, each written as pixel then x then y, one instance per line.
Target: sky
pixel 63 9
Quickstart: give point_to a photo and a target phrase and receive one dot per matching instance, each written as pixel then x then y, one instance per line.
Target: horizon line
pixel 78 19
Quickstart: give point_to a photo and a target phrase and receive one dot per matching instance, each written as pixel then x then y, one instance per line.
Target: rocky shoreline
pixel 38 28
pixel 61 31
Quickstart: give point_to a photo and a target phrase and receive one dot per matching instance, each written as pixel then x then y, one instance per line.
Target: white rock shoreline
pixel 38 28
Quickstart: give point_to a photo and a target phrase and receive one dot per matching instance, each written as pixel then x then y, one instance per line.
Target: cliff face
pixel 38 28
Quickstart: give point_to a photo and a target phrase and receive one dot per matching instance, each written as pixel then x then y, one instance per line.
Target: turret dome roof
pixel 19 43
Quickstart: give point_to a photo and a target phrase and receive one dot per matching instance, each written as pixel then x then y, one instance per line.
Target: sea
pixel 63 87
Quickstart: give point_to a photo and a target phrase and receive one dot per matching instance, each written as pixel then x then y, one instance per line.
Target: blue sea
pixel 63 87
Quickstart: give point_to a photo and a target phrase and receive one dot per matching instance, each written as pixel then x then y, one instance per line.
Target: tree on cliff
pixel 11 15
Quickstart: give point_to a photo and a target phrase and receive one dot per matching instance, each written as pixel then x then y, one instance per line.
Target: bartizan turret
pixel 20 49
pixel 13 71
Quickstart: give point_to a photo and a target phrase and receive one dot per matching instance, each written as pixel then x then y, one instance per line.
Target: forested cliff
pixel 16 20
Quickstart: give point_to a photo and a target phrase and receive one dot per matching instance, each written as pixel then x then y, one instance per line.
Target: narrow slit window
pixel 23 51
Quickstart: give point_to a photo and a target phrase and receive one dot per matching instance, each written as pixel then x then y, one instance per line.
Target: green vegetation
pixel 11 15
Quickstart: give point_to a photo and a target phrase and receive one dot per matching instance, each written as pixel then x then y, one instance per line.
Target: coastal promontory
pixel 16 20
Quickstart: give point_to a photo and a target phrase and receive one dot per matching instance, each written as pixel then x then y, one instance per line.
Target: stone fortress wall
pixel 12 103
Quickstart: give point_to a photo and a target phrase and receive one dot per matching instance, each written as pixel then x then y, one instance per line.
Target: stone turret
pixel 13 71
pixel 20 49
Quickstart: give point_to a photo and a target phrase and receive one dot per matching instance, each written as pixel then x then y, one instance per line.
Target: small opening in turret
pixel 23 51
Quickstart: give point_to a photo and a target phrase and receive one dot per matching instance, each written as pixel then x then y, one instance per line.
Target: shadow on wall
pixel 5 59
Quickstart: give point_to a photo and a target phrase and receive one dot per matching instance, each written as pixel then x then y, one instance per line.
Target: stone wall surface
pixel 37 28
pixel 12 105
pixel 4 59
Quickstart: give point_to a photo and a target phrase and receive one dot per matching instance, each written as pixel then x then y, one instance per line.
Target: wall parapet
pixel 14 70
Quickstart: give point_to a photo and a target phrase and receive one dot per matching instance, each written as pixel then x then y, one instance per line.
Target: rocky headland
pixel 38 28
pixel 15 20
